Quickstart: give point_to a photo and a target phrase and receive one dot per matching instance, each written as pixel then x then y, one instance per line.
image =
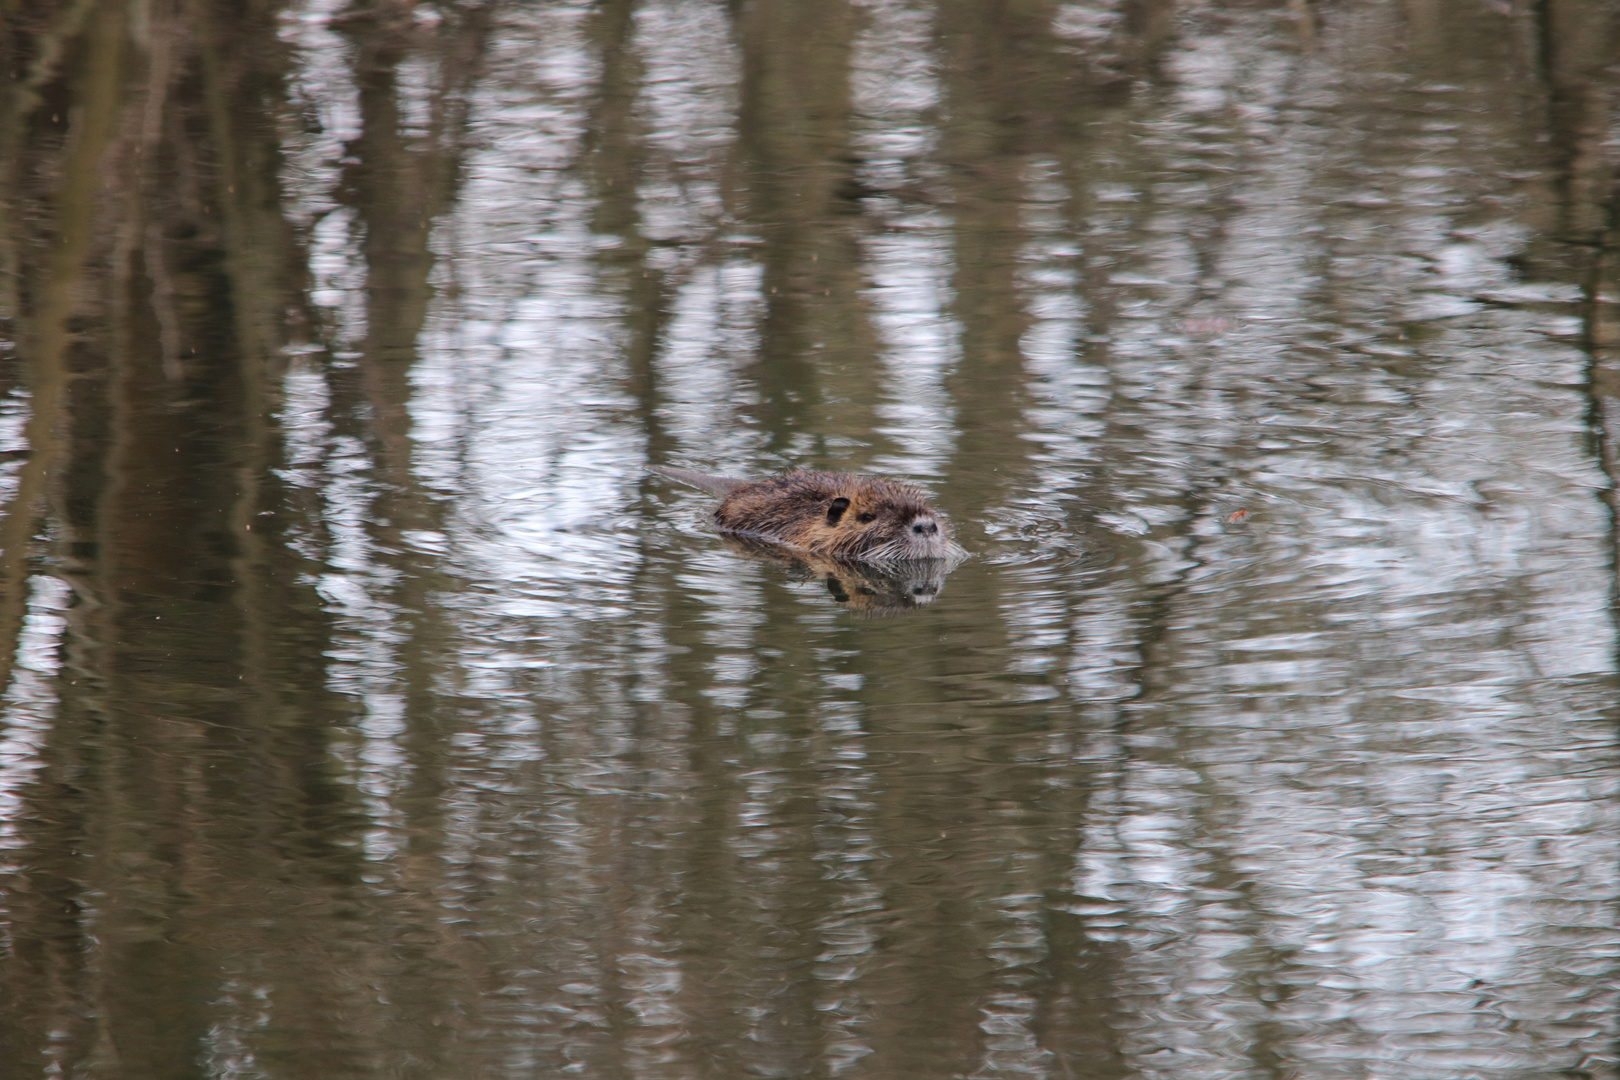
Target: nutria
pixel 837 515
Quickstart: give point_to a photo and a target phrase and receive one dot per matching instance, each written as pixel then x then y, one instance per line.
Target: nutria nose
pixel 922 528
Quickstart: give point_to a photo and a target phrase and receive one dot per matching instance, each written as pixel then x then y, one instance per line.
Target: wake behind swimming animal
pixel 837 515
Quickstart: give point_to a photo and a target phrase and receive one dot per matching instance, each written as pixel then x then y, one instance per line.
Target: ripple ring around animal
pixel 838 515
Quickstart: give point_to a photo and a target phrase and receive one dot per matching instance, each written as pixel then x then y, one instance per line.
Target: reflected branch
pixel 18 101
pixel 50 337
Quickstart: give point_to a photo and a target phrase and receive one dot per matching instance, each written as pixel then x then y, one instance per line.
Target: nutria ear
pixel 835 509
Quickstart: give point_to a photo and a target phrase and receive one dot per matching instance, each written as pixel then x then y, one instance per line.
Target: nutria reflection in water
pixel 870 588
pixel 876 545
pixel 836 515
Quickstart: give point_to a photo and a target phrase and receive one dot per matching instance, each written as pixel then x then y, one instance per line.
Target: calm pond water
pixel 372 711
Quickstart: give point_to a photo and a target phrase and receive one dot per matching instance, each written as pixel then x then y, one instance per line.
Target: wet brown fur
pixel 806 510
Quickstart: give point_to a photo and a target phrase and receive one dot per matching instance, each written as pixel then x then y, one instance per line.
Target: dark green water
pixel 371 711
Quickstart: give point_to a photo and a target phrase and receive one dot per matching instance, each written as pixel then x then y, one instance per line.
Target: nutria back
pixel 839 515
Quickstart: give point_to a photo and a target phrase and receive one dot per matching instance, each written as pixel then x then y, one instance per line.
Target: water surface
pixel 371 710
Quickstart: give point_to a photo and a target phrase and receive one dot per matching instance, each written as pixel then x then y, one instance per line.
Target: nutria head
pixel 839 515
pixel 879 520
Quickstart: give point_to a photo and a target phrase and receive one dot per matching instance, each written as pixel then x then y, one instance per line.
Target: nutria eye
pixel 835 509
pixel 866 519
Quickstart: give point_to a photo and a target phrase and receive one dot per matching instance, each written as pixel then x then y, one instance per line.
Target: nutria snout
pixel 839 515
